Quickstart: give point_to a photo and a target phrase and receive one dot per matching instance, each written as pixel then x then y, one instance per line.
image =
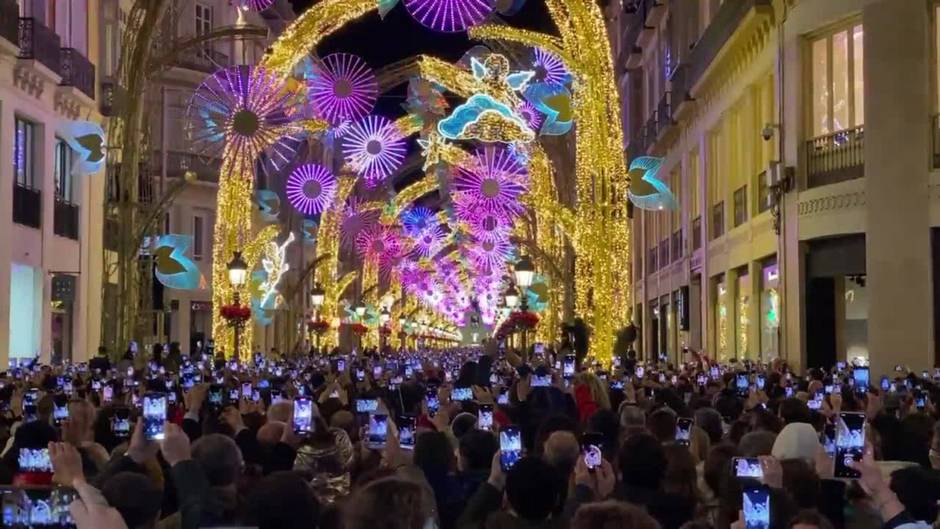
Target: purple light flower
pixel 355 219
pixel 254 5
pixel 450 16
pixel 490 256
pixel 487 226
pixel 246 109
pixel 493 182
pixel 532 117
pixel 311 188
pixel 374 148
pixel 549 68
pixel 429 241
pixel 417 219
pixel 343 88
pixel 378 244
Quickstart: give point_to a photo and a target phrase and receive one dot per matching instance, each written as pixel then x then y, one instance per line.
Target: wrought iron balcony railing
pixel 835 157
pixel 78 71
pixel 27 206
pixel 40 43
pixel 65 219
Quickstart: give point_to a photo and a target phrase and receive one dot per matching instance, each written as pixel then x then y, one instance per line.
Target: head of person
pixel 463 423
pixel 605 422
pixel 797 440
pixel 220 459
pixel 433 453
pixel 388 503
pixel 809 519
pixel 532 489
pixel 793 410
pixel 612 515
pixel 662 424
pixel 102 351
pixel 935 447
pixel 552 424
pixel 561 451
pixel 709 420
pixel 632 417
pixel 717 467
pixel 919 490
pixel 136 497
pixel 802 482
pixel 599 393
pixel 681 477
pixel 271 433
pixel 755 444
pixel 917 429
pixel 476 451
pixel 642 461
pixel 282 500
pixel 281 411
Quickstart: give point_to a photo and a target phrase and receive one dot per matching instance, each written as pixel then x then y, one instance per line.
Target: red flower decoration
pixel 357 328
pixel 235 314
pixel 319 326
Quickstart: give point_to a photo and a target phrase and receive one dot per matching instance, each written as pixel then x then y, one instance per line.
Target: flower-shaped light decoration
pixel 374 148
pixel 355 219
pixel 247 110
pixel 254 5
pixel 549 68
pixel 492 183
pixel 343 88
pixel 430 241
pixel 417 219
pixel 450 16
pixel 378 244
pixel 489 257
pixel 533 118
pixel 311 188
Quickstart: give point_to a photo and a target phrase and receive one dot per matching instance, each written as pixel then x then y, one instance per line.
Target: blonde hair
pixel 596 387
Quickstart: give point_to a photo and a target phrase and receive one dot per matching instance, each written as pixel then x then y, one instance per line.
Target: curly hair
pixel 389 503
pixel 612 515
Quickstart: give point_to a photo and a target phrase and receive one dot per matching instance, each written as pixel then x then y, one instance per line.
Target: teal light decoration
pixel 662 198
pixel 263 312
pixel 517 80
pixel 171 265
pixel 310 229
pixel 554 101
pixel 464 122
pixel 269 203
pixel 385 6
pixel 87 139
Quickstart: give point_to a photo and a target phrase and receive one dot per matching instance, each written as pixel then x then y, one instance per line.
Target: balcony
pixel 205 60
pixel 664 115
pixel 78 72
pixel 719 31
pixel 696 233
pixel 65 219
pixel 835 157
pixel 39 43
pixel 10 21
pixel 178 162
pixel 681 90
pixel 629 45
pixel 144 184
pixel 27 206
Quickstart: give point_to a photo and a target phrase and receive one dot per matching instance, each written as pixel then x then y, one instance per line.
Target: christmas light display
pixel 486 119
pixel 531 115
pixel 449 16
pixel 311 188
pixel 661 197
pixel 493 183
pixel 549 68
pixel 172 267
pixel 342 88
pixel 254 5
pixel 374 148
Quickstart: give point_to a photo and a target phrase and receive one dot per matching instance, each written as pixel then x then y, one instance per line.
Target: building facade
pixel 800 141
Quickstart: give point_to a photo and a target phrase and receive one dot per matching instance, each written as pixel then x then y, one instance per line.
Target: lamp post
pixel 237 275
pixel 384 318
pixel 317 297
pixel 524 273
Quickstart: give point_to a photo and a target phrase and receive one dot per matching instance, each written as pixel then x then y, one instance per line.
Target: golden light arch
pixel 597 225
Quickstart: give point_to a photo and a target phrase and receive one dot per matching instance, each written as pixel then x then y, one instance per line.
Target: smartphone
pixel 741 383
pixel 829 439
pixel 378 430
pixel 683 431
pixel 760 382
pixel 121 423
pixel 788 391
pixel 406 432
pixel 37 507
pixel 920 401
pixel 255 395
pixel 367 405
pixel 246 390
pixel 215 396
pixel 756 501
pixel 341 364
pixel 303 416
pixel 376 372
pixel 639 371
pixel 616 385
pixel 567 366
pixel 860 376
pixel 154 415
pixel 485 417
pixel 747 467
pixel 60 409
pixel 815 403
pixel 233 395
pixel 510 447
pixel 592 444
pixel 360 375
pixel 850 443
pixel 34 460
pixel 434 403
pixel 462 394
pixel 503 398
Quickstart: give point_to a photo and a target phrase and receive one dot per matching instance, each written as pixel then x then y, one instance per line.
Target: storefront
pixel 770 312
pixel 63 302
pixel 742 344
pixel 722 314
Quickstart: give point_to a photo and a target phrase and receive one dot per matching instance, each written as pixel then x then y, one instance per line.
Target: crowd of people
pixel 466 438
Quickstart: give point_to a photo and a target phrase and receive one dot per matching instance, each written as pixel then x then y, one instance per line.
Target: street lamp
pixel 512 297
pixel 237 275
pixel 384 316
pixel 317 297
pixel 360 310
pixel 524 272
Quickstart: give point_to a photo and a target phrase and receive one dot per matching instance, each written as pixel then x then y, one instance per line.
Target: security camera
pixel 768 131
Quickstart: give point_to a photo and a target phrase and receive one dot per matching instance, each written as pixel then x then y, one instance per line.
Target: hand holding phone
pixel 510 447
pixel 850 443
pixel 756 508
pixel 154 416
pixel 303 416
pixel 378 431
pixel 485 417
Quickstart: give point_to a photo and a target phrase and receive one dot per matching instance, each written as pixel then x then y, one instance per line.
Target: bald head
pixel 562 450
pixel 281 411
pixel 271 433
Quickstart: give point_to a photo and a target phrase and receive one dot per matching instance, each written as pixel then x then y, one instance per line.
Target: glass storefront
pixel 25 312
pixel 770 313
pixel 722 323
pixel 743 347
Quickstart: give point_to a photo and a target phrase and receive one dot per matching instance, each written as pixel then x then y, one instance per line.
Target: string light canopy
pixel 449 16
pixel 549 68
pixel 253 5
pixel 311 188
pixel 342 88
pixel 492 183
pixel 374 148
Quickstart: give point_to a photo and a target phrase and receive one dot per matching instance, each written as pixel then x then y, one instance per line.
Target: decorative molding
pixel 29 80
pixel 67 103
pixel 815 206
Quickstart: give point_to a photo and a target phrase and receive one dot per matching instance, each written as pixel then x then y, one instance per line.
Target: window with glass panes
pixel 24 148
pixel 837 73
pixel 62 170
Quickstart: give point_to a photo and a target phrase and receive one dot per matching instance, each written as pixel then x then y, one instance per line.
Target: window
pixel 718 220
pixel 23 153
pixel 740 206
pixel 71 24
pixel 838 95
pixel 203 19
pixel 62 171
pixel 198 227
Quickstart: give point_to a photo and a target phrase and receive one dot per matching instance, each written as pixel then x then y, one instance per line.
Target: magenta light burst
pixel 532 117
pixel 374 148
pixel 254 5
pixel 493 182
pixel 246 109
pixel 549 68
pixel 487 226
pixel 429 241
pixel 378 244
pixel 343 88
pixel 490 256
pixel 450 16
pixel 417 219
pixel 355 219
pixel 311 188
